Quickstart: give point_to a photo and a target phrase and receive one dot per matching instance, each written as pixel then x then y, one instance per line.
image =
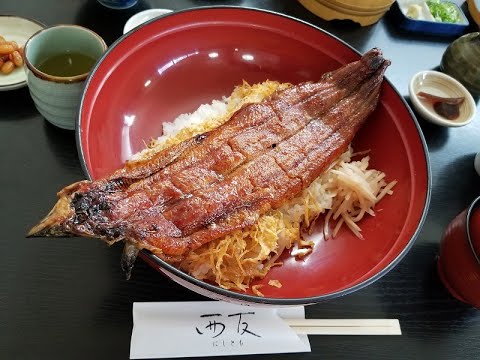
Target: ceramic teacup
pixel 55 75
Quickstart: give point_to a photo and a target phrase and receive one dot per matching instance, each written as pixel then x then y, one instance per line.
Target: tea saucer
pixel 18 29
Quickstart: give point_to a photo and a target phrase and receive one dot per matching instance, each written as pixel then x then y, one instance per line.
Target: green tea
pixel 67 64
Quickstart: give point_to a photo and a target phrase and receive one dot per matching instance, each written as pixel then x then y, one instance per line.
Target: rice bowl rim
pixel 149 257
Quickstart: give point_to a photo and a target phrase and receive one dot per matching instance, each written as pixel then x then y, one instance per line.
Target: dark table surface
pixel 68 299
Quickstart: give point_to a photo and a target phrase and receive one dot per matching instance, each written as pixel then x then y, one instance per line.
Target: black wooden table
pixel 68 299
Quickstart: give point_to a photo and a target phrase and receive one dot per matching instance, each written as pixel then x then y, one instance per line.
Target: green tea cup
pixel 58 60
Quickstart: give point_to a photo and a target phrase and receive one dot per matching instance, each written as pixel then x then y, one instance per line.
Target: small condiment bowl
pixel 142 17
pixel 440 84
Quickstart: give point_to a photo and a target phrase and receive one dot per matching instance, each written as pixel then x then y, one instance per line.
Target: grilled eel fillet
pixel 214 183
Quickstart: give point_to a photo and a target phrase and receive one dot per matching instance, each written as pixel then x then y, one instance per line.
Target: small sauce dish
pixel 143 16
pixel 440 84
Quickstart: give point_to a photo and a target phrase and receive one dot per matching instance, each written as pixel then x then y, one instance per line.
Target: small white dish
pixel 18 29
pixel 440 84
pixel 143 16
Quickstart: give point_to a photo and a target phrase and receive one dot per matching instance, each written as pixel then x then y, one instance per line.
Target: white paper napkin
pixel 212 328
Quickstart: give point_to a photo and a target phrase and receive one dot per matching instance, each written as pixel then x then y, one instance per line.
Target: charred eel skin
pixel 214 183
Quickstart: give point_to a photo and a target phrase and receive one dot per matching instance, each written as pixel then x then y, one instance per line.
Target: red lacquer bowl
pixel 166 68
pixel 459 260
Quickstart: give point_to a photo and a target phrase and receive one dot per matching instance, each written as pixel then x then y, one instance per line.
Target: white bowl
pixel 143 16
pixel 440 84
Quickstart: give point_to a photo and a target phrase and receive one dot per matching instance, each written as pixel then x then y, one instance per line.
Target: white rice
pixel 205 111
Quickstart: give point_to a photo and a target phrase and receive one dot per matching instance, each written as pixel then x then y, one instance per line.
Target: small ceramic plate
pixel 440 84
pixel 14 28
pixel 143 16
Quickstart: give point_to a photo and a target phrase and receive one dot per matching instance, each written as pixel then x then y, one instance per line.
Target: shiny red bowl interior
pixel 172 65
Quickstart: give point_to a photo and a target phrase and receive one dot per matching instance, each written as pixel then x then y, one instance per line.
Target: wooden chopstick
pixel 345 326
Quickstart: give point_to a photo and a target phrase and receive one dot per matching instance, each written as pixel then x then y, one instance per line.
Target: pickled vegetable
pixel 449 108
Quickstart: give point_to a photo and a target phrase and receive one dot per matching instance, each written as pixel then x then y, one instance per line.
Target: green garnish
pixel 443 11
